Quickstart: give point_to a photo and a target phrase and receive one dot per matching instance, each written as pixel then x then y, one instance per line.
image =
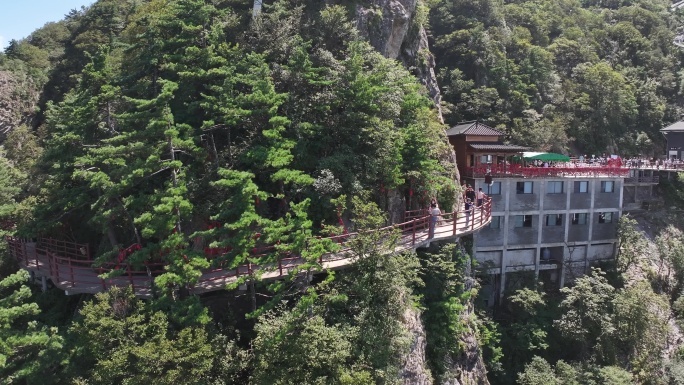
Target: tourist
pixel 434 217
pixel 468 208
pixel 480 197
pixel 470 193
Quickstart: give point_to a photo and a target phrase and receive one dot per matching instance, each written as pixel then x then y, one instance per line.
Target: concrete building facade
pixel 553 226
pixel 552 222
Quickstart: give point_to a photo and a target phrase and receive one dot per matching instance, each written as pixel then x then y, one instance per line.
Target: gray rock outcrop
pixel 18 99
pixel 414 370
pixel 392 28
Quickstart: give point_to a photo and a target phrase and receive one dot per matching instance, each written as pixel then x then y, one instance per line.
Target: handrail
pixel 64 262
pixel 516 170
pixel 643 179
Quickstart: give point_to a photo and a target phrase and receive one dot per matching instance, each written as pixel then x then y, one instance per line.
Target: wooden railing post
pixel 472 223
pixel 55 262
pixel 71 274
pixel 130 276
pixel 413 242
pixel 35 254
pixel 50 265
pixel 23 248
pixel 489 209
pixel 454 218
pixel 280 267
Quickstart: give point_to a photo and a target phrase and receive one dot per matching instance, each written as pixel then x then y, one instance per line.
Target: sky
pixel 18 18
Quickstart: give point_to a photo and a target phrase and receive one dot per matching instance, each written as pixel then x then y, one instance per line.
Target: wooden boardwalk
pixel 69 267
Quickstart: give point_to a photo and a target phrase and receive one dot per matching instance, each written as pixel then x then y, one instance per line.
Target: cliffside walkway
pixel 70 267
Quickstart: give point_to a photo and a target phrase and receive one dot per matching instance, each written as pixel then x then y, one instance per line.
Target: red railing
pixel 516 170
pixel 65 264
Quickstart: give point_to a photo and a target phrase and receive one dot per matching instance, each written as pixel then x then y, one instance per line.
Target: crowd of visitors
pixel 471 200
pixel 655 163
pixel 475 199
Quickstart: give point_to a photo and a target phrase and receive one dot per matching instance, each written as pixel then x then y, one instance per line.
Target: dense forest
pixel 181 125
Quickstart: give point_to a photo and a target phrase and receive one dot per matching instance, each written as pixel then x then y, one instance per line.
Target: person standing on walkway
pixel 470 193
pixel 434 217
pixel 480 197
pixel 468 208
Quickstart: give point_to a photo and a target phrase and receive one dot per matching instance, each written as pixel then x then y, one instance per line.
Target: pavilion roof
pixel 473 128
pixel 497 147
pixel 676 126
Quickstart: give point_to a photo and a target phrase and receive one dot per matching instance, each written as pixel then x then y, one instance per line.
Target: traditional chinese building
pixel 548 223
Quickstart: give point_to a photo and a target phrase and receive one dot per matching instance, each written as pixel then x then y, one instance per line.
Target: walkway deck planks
pixel 77 274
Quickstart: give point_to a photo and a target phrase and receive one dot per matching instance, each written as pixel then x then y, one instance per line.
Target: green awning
pixel 545 156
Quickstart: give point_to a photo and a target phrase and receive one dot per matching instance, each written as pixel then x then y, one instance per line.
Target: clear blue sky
pixel 18 18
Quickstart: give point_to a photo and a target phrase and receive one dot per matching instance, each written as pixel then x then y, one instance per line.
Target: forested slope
pixel 590 76
pixel 188 125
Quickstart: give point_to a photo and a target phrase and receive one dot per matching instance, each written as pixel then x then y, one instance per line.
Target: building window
pixel 579 218
pixel 605 218
pixel 495 223
pixel 554 187
pixel 607 186
pixel 485 159
pixel 554 220
pixel 523 221
pixel 582 186
pixel 494 189
pixel 523 187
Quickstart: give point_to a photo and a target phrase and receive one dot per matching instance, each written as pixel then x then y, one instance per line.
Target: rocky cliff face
pixel 18 99
pixel 415 371
pixel 468 368
pixel 393 27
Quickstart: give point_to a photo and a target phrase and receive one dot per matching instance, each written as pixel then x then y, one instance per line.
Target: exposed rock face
pixel 396 206
pixel 469 367
pixel 8 105
pixel 18 98
pixel 386 23
pixel 390 27
pixel 414 371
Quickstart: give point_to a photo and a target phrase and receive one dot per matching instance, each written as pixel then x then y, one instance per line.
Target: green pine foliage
pixel 585 76
pixel 29 351
pixel 185 125
pixel 120 339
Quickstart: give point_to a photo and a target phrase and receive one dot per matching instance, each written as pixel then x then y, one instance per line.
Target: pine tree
pixel 28 351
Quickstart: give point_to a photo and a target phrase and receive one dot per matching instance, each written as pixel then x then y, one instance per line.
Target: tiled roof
pixel 497 147
pixel 677 126
pixel 473 128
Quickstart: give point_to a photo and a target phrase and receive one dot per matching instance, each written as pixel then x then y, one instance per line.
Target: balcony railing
pixel 518 171
pixel 655 179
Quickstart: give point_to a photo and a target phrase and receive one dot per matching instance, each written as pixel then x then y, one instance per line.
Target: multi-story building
pixel 552 222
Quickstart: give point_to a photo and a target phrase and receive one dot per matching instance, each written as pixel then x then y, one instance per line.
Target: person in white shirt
pixel 480 197
pixel 435 214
